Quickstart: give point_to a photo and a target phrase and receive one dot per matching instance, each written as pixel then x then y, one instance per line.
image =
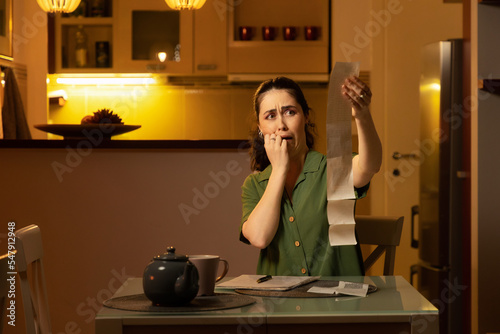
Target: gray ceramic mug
pixel 208 267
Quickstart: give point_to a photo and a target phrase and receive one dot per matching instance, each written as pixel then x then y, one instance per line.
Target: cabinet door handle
pixel 398 156
pixel 206 67
pixel 155 67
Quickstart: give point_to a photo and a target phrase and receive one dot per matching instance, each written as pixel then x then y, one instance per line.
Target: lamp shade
pixel 58 6
pixel 185 4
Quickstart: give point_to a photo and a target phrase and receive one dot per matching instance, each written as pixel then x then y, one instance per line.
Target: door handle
pixel 414 212
pixel 398 156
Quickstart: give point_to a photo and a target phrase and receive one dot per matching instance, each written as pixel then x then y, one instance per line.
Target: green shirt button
pixel 297 243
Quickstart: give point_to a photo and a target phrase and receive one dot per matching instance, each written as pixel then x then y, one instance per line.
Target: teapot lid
pixel 171 256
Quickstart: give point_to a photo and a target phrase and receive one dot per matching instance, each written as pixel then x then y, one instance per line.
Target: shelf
pixel 490 2
pixel 278 56
pixel 86 21
pixel 95 34
pixel 97 28
pixel 490 85
pixel 260 44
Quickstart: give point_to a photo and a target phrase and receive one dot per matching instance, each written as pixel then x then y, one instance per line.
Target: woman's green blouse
pixel 301 245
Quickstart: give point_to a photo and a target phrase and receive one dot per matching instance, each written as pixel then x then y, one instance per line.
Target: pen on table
pixel 264 279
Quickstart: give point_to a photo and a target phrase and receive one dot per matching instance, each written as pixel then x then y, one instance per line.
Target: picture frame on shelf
pixel 6 29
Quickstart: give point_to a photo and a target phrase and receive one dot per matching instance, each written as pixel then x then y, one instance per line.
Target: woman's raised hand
pixel 276 149
pixel 359 94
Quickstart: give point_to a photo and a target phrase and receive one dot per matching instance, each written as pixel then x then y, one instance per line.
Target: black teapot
pixel 170 279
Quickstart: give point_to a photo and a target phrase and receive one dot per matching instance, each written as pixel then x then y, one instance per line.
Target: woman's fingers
pixel 276 149
pixel 273 139
pixel 357 92
pixel 358 100
pixel 359 86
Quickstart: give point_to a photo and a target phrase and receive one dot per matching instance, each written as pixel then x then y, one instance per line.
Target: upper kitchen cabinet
pixel 210 38
pixel 83 39
pixel 148 31
pixel 288 37
pixel 129 36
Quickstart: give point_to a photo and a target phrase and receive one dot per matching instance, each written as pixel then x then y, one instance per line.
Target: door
pixel 395 76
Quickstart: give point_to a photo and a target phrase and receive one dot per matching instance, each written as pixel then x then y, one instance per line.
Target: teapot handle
pixel 226 269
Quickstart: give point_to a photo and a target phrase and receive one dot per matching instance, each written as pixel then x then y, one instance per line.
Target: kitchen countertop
pixel 126 144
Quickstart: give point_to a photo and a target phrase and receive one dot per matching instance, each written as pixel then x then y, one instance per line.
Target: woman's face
pixel 282 115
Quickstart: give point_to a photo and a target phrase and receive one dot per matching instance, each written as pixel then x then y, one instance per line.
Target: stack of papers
pixel 344 288
pixel 277 283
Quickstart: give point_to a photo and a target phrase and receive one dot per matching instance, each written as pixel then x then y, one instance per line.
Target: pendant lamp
pixel 58 6
pixel 185 4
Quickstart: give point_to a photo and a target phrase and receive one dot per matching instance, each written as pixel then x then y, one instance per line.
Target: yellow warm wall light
pixel 58 6
pixel 106 81
pixel 185 4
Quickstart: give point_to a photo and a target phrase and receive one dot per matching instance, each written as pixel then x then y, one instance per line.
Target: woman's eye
pixel 270 116
pixel 290 112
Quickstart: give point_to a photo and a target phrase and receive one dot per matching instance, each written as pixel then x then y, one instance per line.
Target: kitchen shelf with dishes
pixel 265 44
pixel 285 36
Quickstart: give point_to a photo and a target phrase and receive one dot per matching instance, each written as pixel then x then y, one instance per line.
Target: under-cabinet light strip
pixel 105 81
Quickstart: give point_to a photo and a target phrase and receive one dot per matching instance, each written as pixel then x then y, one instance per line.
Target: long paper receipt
pixel 340 188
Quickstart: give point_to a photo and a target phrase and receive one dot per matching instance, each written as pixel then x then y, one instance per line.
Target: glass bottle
pixel 81 48
pixel 98 8
pixel 102 54
pixel 81 10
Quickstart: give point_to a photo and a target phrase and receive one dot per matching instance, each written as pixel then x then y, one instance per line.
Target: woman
pixel 284 205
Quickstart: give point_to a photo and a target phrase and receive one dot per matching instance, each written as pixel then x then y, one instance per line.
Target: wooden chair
pixel 385 232
pixel 29 257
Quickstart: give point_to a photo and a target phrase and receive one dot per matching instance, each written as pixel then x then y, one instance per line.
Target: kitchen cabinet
pixel 97 25
pixel 145 28
pixel 134 32
pixel 251 55
pixel 210 39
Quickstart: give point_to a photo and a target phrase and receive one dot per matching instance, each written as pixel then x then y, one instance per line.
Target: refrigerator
pixel 436 220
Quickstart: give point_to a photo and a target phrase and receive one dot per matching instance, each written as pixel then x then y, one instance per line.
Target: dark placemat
pixel 300 292
pixel 141 303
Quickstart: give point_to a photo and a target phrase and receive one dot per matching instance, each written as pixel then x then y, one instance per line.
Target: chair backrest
pixel 29 257
pixel 385 232
pixel 4 288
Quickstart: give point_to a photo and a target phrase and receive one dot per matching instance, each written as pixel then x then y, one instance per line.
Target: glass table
pixel 396 307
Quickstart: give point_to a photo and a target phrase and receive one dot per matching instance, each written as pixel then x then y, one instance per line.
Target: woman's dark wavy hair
pixel 258 157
